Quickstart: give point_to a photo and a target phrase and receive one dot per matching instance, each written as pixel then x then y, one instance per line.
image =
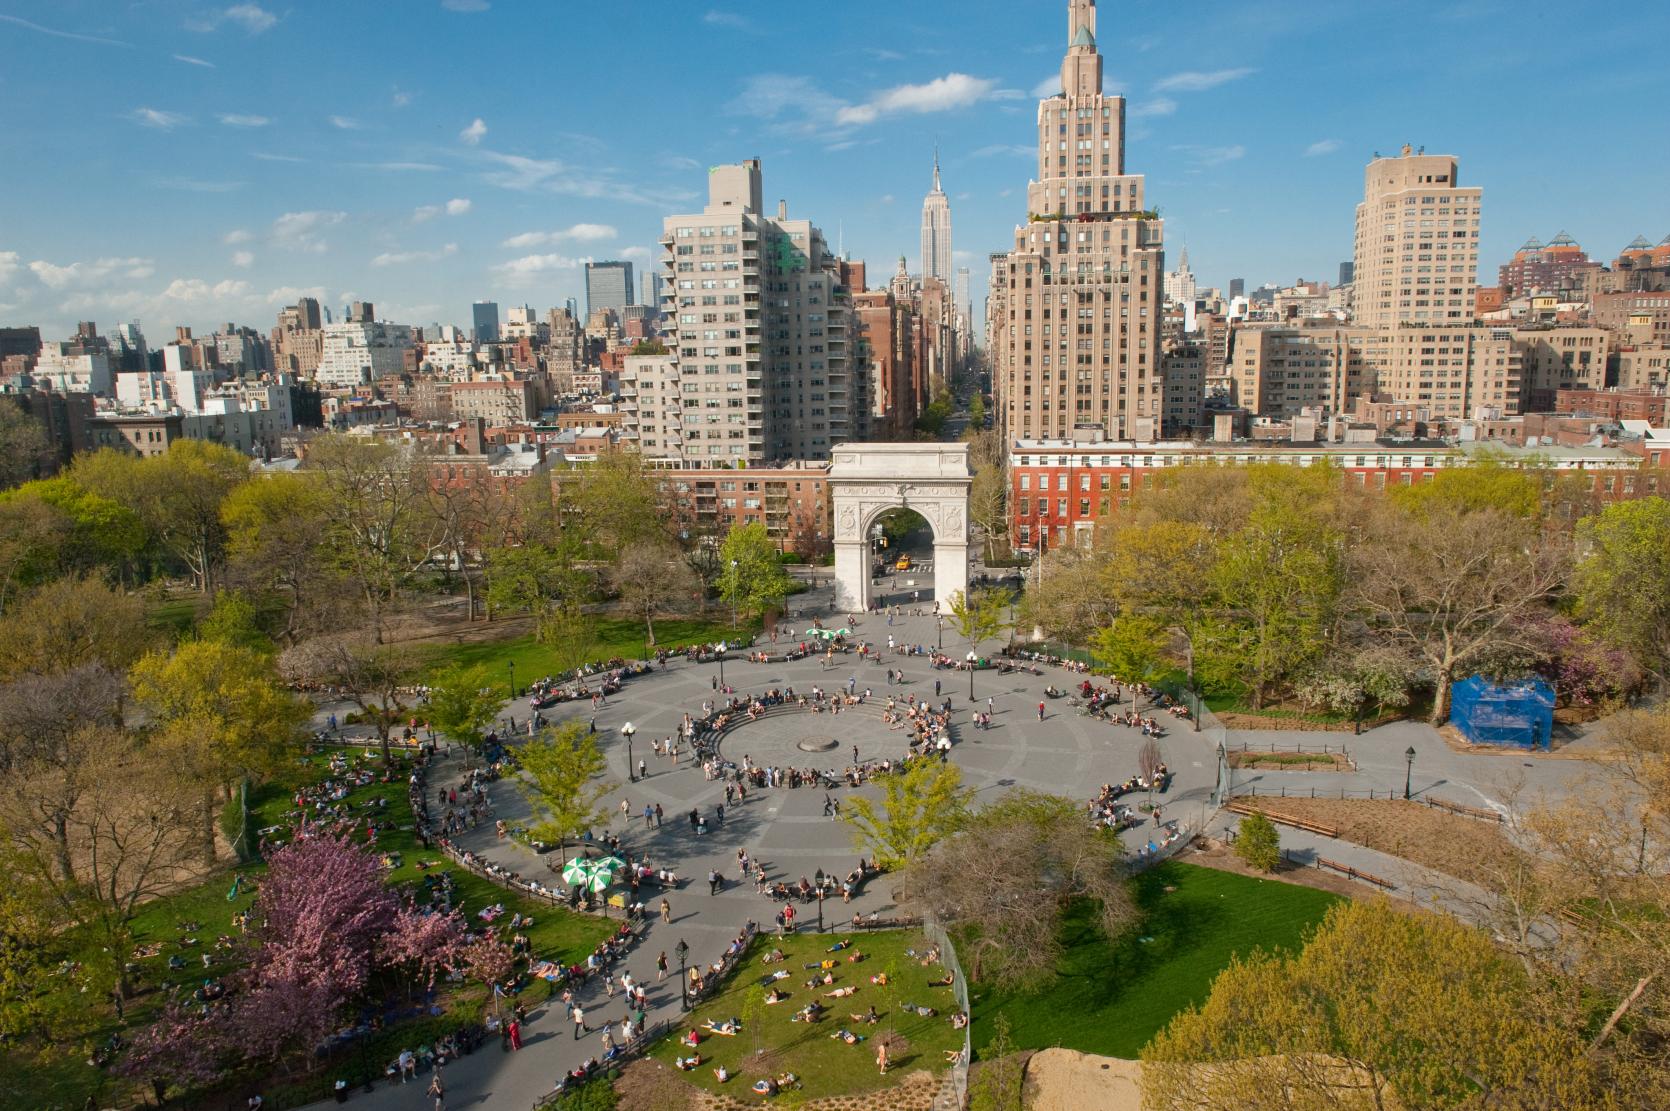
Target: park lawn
pixel 64 1078
pixel 177 613
pixel 826 1067
pixel 614 637
pixel 1110 999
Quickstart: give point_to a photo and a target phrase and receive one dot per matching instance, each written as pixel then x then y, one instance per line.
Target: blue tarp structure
pixel 1513 713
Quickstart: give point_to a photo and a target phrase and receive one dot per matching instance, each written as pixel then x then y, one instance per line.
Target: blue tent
pixel 1519 713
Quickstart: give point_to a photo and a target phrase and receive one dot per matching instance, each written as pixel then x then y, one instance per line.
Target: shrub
pixel 1258 844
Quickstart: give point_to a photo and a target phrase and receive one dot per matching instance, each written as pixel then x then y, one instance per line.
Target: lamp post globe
pixel 1408 769
pixel 626 731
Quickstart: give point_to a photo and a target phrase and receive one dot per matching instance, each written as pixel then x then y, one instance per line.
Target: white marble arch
pixel 866 480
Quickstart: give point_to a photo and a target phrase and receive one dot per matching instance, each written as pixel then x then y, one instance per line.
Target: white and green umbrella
pixel 577 871
pixel 610 864
pixel 599 881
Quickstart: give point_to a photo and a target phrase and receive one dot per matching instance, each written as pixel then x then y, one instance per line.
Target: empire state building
pixel 1077 304
pixel 936 231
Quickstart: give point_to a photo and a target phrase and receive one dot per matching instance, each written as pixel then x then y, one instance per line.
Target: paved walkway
pixel 1065 752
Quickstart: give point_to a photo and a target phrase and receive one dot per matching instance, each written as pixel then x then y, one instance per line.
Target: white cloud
pixel 1322 146
pixel 457 206
pixel 727 19
pixel 887 198
pixel 196 289
pixel 1158 106
pixel 1015 149
pixel 405 258
pixel 198 185
pixel 1211 156
pixel 8 265
pixel 466 6
pixel 253 17
pixel 90 273
pixel 237 119
pixel 1194 81
pixel 190 61
pixel 400 98
pixel 153 117
pixel 243 259
pixel 236 235
pixel 578 233
pixel 635 252
pixel 1049 86
pixel 299 231
pixel 290 294
pixel 954 90
pixel 398 167
pixel 77 36
pixel 346 123
pixel 530 267
pixel 474 133
pixel 267 156
pixel 549 175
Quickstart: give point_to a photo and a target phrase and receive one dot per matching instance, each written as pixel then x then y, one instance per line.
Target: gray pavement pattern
pixel 1065 752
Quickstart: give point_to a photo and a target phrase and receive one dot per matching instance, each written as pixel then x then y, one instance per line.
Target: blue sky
pixel 193 163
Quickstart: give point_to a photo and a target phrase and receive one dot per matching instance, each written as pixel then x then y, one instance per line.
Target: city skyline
pixel 217 175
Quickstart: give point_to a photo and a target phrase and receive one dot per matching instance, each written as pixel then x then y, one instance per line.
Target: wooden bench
pixel 1355 873
pixel 1239 806
pixel 1464 811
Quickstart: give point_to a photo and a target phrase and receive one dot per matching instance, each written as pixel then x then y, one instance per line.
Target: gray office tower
pixel 608 286
pixel 1237 287
pixel 1347 273
pixel 485 317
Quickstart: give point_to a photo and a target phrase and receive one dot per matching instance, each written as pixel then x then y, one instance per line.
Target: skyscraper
pixel 484 316
pixel 936 231
pixel 1237 287
pixel 1417 246
pixel 608 286
pixel 1180 283
pixel 1080 349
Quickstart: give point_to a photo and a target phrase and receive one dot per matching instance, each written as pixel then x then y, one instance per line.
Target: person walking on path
pixel 579 1017
pixel 666 912
pixel 881 1057
pixel 437 1091
pixel 661 961
pixel 713 881
pixel 1040 711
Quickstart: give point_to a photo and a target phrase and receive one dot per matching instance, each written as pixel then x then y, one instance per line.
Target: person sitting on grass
pixel 811 1012
pixel 841 993
pixel 722 1074
pixel 824 981
pixel 692 1039
pixel 854 957
pixel 688 1064
pixel 848 1036
pixel 869 1018
pixel 727 1029
pixel 879 979
pixel 945 983
pixel 765 1086
pixel 775 996
pixel 959 1020
pixel 772 957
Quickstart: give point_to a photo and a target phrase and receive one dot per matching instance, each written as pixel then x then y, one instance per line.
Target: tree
pixel 277 549
pixel 978 617
pixel 1382 1007
pixel 462 704
pixel 1131 647
pixel 613 503
pixel 222 712
pixel 540 579
pixel 73 621
pixel 1257 843
pixel 1008 872
pixel 652 581
pixel 1451 586
pixel 370 675
pixel 1070 594
pixel 561 767
pixel 988 495
pixel 977 411
pixel 382 534
pixel 999 1081
pixel 1623 580
pixel 24 450
pixel 751 577
pixel 920 803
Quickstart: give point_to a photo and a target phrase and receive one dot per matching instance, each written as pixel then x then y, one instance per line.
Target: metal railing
pixel 953 1090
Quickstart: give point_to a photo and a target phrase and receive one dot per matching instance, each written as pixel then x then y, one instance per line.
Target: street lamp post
pixel 631 771
pixel 721 663
pixel 683 981
pixel 512 678
pixel 1408 768
pixel 941 643
pixel 734 590
pixel 820 910
pixel 971 658
pixel 1188 641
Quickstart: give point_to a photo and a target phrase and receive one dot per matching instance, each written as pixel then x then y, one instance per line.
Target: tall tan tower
pixel 1077 351
pixel 1417 244
pixel 936 231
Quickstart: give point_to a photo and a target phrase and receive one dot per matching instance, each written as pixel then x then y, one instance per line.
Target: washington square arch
pixel 867 480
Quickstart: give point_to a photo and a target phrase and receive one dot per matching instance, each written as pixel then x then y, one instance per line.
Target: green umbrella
pixel 843 632
pixel 607 864
pixel 578 870
pixel 599 881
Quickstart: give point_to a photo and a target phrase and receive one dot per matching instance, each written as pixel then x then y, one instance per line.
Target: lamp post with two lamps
pixel 1408 768
pixel 971 659
pixel 683 981
pixel 626 731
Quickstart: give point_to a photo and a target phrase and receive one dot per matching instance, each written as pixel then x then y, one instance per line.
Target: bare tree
pixel 372 676
pixel 652 582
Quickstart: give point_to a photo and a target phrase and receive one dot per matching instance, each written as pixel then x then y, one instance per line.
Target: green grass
pixel 613 637
pixel 825 1066
pixel 177 614
pixel 1111 999
pixel 61 1077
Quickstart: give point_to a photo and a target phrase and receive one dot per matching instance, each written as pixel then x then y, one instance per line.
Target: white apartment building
pixel 361 351
pixel 1417 242
pixel 68 373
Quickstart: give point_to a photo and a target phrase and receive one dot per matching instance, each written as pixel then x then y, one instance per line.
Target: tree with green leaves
pixel 561 775
pixel 462 704
pixel 921 802
pixel 543 580
pixel 978 617
pixel 279 550
pixel 1257 843
pixel 1622 582
pixel 988 494
pixel 997 1082
pixel 1382 1008
pixel 751 576
pixel 1131 648
pixel 24 450
pixel 372 676
pixel 71 621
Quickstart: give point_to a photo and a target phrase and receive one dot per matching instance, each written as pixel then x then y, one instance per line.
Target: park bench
pixel 1354 873
pixel 1239 806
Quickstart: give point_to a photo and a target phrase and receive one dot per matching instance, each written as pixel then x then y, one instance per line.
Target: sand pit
pixel 1067 1080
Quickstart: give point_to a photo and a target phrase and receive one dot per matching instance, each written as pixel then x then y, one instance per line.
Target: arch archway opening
pixel 902 565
